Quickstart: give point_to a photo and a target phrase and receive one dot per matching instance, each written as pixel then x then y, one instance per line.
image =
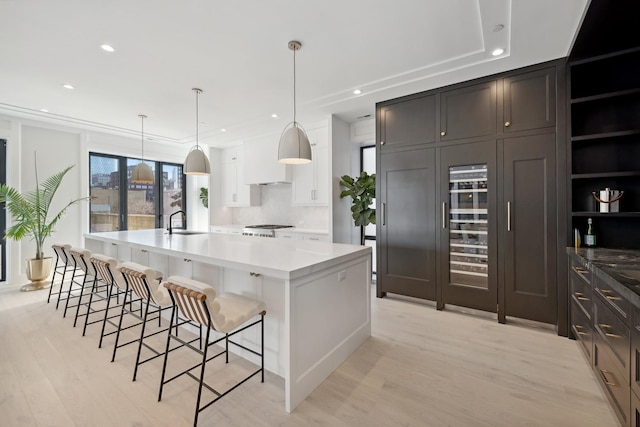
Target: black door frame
pixel 3 217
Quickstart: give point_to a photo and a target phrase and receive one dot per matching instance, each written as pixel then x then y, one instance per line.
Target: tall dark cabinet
pixel 468 191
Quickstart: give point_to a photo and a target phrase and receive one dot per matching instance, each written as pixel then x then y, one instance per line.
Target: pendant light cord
pixel 294 86
pixel 197 120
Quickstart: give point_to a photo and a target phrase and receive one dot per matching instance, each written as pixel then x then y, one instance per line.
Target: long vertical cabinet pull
pixel 384 214
pixel 508 216
pixel 444 214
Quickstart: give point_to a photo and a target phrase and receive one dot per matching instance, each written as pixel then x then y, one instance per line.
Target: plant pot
pixel 37 271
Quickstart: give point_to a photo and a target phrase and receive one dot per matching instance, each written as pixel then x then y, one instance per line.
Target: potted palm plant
pixel 30 214
pixel 362 190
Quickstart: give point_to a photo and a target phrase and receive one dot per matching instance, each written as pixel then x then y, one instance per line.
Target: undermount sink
pixel 188 232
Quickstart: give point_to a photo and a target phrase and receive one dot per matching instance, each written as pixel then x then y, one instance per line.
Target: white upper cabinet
pixel 311 181
pixel 234 192
pixel 261 165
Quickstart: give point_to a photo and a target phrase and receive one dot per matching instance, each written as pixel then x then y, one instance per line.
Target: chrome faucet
pixel 171 218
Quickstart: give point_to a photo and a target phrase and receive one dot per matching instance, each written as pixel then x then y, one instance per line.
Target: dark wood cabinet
pixel 468 238
pixel 406 223
pixel 635 410
pixel 468 112
pixel 635 353
pixel 605 144
pixel 612 381
pixel 528 226
pixel 407 123
pixel 529 101
pixel 508 128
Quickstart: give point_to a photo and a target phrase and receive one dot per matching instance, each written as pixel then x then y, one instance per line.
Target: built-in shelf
pixel 605 135
pixel 622 174
pixel 605 56
pixel 618 93
pixel 607 214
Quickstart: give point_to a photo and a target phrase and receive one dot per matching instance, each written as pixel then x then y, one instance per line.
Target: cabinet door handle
pixel 606 381
pixel 444 214
pixel 144 251
pixel 443 133
pixel 384 214
pixel 187 260
pixel 251 273
pixel 381 142
pixel 604 328
pixel 508 216
pixel 507 124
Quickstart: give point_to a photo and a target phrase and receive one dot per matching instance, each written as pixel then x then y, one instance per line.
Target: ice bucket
pixel 608 199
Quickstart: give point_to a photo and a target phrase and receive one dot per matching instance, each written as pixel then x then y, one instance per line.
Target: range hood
pixel 260 163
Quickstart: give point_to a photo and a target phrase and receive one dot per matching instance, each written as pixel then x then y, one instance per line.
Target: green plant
pixel 204 196
pixel 30 211
pixel 362 190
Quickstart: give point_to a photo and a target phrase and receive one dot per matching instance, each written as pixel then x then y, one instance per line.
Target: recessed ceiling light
pixel 223 130
pixel 274 115
pixel 357 92
pixel 497 52
pixel 107 48
pixel 44 110
pixel 68 86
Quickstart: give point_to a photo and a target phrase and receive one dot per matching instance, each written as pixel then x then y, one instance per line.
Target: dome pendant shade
pixel 294 147
pixel 142 174
pixel 196 162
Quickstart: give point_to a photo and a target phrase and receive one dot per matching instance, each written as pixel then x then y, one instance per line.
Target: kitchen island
pixel 317 293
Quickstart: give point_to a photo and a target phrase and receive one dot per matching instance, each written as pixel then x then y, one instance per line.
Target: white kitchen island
pixel 317 293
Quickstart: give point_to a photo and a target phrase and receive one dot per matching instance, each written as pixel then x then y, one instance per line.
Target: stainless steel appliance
pixel 263 230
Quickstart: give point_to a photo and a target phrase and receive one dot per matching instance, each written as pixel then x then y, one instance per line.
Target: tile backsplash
pixel 276 209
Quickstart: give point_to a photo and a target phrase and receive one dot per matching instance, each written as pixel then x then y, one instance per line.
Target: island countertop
pixel 280 258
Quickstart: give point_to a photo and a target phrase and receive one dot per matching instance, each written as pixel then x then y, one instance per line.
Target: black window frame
pixel 3 215
pixel 158 196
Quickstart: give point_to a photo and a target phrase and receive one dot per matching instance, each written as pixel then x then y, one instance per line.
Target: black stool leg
pixel 144 324
pixel 166 350
pixel 204 364
pixel 124 307
pixel 94 289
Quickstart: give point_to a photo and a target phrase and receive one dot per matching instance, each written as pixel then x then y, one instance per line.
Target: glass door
pixel 105 205
pixel 468 226
pixel 468 234
pixel 173 198
pixel 141 199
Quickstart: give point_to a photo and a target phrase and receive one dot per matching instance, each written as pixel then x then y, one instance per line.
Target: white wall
pixel 61 146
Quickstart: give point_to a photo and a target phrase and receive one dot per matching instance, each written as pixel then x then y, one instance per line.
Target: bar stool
pixel 144 282
pixel 224 313
pixel 83 274
pixel 62 266
pixel 108 272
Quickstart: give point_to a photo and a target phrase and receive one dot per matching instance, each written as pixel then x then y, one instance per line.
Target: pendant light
pixel 142 173
pixel 294 147
pixel 196 162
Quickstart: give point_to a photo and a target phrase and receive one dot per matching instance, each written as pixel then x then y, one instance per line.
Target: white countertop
pixel 280 258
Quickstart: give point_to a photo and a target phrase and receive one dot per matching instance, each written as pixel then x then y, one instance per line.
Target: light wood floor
pixel 419 368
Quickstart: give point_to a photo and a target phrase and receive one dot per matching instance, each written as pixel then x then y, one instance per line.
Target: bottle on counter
pixel 590 238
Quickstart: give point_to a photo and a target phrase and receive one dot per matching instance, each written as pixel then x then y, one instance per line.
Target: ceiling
pixel 236 51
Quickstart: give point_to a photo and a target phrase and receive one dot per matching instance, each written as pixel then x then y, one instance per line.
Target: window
pixel 368 164
pixel 146 205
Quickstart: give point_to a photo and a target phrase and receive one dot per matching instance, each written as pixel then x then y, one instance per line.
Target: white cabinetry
pixel 234 192
pixel 311 181
pixel 261 166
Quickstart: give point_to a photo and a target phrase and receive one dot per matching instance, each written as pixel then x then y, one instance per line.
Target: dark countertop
pixel 614 266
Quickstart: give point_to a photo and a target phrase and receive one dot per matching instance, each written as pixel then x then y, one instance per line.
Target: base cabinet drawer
pixel 582 330
pixel 612 332
pixel 635 410
pixel 613 382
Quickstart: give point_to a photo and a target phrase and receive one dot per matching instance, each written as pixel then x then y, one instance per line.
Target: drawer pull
pixel 606 381
pixel 580 297
pixel 612 298
pixel 580 270
pixel 251 273
pixel 604 327
pixel 579 330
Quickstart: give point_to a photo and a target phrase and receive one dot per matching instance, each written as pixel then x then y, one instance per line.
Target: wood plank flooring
pixel 420 368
